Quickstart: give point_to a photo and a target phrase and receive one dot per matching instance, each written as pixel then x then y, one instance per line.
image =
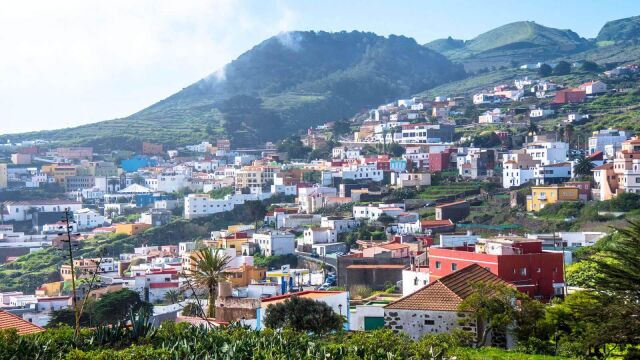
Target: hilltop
pixel 518 42
pixel 621 30
pixel 285 84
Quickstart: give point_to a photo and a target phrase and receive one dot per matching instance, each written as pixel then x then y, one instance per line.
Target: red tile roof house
pixel 434 308
pixel 10 321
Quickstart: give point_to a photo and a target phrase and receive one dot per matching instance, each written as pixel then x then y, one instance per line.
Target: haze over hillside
pixel 295 80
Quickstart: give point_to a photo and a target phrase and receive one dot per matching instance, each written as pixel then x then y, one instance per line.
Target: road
pixel 330 261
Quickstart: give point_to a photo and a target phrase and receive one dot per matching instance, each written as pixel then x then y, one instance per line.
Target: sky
pixel 71 62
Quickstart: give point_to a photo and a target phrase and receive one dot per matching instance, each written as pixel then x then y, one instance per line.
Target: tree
pixel 619 264
pixel 192 309
pixel 209 265
pixel 562 68
pixel 544 70
pixel 396 150
pixel 341 127
pixel 303 314
pixel 385 219
pixel 497 307
pixel 583 167
pixel 254 211
pixel 115 306
pixel 172 296
pixel 590 66
pixel 594 325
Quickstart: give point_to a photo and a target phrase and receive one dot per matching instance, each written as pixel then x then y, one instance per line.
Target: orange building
pixel 131 229
pixel 244 275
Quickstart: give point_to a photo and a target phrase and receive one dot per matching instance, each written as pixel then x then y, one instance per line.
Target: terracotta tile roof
pixel 394 246
pixel 10 321
pixel 603 167
pixel 448 292
pixel 436 223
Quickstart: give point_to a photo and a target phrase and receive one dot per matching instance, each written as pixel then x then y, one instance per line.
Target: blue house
pixel 137 162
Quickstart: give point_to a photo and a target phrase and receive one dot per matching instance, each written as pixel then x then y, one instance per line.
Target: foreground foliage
pixel 184 341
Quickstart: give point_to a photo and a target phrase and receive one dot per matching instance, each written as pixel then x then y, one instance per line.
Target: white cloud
pixel 74 61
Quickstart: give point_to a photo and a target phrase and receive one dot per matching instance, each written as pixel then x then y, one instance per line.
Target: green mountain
pixel 284 84
pixel 622 30
pixel 445 45
pixel 516 43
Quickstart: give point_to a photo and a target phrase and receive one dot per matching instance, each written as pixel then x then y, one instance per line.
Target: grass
pixel 438 191
pixel 499 354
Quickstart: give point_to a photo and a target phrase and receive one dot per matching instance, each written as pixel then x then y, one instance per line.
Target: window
pixel 415 281
pixel 454 266
pixel 523 271
pixel 429 322
pixel 438 265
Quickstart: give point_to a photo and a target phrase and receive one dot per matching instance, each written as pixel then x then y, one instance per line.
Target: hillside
pixel 515 43
pixel 621 30
pixel 284 84
pixel 445 45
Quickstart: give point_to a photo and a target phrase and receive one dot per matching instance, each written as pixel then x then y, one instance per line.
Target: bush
pixel 360 291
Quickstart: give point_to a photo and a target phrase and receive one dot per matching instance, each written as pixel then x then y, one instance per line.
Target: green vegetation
pixel 222 192
pixel 208 273
pixel 453 189
pixel 621 30
pixel 184 341
pixel 515 43
pixel 586 214
pixel 275 261
pixel 305 315
pixel 111 308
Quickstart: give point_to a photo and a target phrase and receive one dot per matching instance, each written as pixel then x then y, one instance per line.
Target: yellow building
pixel 131 229
pixel 245 275
pixel 542 196
pixel 234 242
pixel 60 172
pixel 255 176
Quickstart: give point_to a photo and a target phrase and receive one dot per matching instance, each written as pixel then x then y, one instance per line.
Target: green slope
pixel 517 43
pixel 621 30
pixel 284 84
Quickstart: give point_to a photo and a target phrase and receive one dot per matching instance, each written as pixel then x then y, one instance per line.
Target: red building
pixel 520 261
pixel 439 161
pixel 151 149
pixel 569 96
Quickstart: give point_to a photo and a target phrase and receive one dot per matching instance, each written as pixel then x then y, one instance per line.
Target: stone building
pixel 434 308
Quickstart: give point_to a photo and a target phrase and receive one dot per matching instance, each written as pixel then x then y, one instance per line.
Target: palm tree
pixel 172 296
pixel 583 166
pixel 209 265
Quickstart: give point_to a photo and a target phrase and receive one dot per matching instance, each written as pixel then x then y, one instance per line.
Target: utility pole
pixel 67 231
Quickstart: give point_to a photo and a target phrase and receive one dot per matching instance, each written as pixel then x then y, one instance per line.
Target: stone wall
pixel 232 309
pixel 417 323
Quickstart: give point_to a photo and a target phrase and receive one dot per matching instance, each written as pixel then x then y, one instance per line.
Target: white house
pixel 360 172
pixel 414 279
pixel 339 224
pixel 371 212
pixel 275 243
pixel 88 219
pixel 491 117
pixel 540 113
pixel 22 210
pixel 594 87
pixel 599 140
pixel 319 235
